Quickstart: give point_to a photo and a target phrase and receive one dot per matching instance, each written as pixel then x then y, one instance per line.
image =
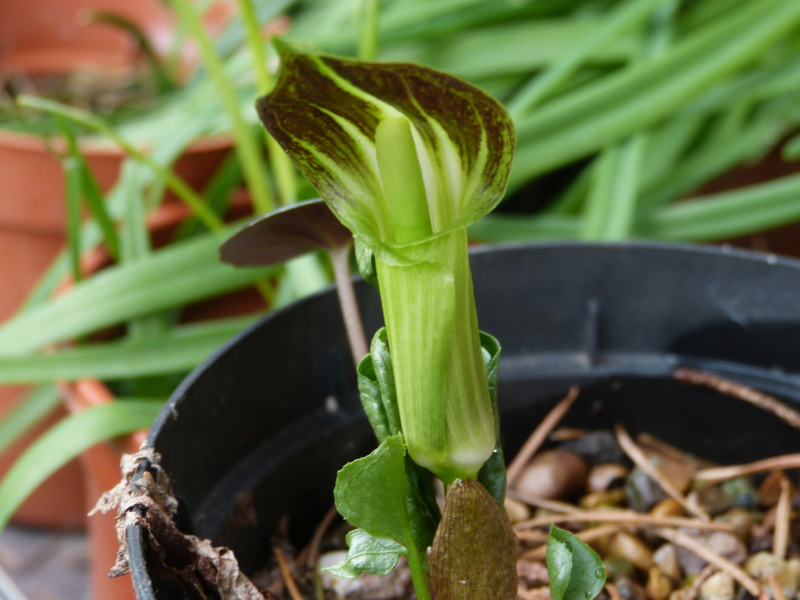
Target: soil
pixel 668 525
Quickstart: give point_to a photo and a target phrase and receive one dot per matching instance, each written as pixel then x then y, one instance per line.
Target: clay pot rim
pixel 30 142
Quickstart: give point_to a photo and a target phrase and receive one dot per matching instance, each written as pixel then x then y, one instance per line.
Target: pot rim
pixel 689 249
pixel 94 147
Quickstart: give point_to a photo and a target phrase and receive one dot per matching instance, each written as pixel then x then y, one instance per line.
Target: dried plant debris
pixel 185 565
pixel 667 525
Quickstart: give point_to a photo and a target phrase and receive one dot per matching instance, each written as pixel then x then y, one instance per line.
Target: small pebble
pixel 632 548
pixel 720 586
pixel 742 492
pixel 666 559
pixel 741 521
pixel 763 564
pixel 597 447
pixel 679 474
pixel 770 489
pixel 668 507
pixel 629 589
pixel 659 586
pixel 608 499
pixel 554 474
pixel 711 498
pixel 641 491
pixel 616 566
pixel 604 476
pixel 725 544
pixel 517 511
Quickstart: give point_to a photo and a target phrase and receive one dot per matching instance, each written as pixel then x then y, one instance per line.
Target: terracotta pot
pixel 47 37
pixel 101 473
pixel 26 254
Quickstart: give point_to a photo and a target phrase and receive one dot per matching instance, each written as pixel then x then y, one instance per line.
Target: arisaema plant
pixel 407 158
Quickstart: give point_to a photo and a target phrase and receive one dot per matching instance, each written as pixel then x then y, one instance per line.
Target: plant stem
pixel 418 576
pixel 282 167
pixel 367 25
pixel 252 161
pixel 340 259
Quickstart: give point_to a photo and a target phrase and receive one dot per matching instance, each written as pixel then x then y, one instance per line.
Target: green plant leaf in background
pixel 178 350
pixel 28 411
pixel 68 439
pixel 174 276
pixel 575 570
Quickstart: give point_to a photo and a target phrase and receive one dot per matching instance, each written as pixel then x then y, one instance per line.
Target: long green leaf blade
pixel 66 440
pixel 618 105
pixel 176 352
pixel 175 276
pixel 31 408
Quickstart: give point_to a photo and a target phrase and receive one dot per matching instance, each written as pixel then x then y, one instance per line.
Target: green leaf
pixel 376 386
pixel 178 351
pixel 493 472
pixel 174 276
pixel 575 570
pixel 73 173
pixel 324 111
pixel 66 440
pixel 253 164
pixel 559 567
pixel 371 492
pixel 367 554
pixel 91 190
pixel 582 122
pixel 27 412
pixel 366 264
pixel 388 496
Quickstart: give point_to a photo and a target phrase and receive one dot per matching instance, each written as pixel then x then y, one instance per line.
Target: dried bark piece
pixel 184 565
pixel 473 555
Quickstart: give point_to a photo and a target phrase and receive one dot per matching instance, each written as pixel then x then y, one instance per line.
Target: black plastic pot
pixel 274 414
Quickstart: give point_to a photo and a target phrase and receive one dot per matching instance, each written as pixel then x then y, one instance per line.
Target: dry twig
pixel 786 461
pixel 626 517
pixel 613 592
pixel 698 581
pixel 640 460
pixel 538 437
pixel 286 573
pixel 783 518
pixel 740 391
pixel 553 505
pixel 776 587
pixel 689 543
pixel 319 534
pixel 669 451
